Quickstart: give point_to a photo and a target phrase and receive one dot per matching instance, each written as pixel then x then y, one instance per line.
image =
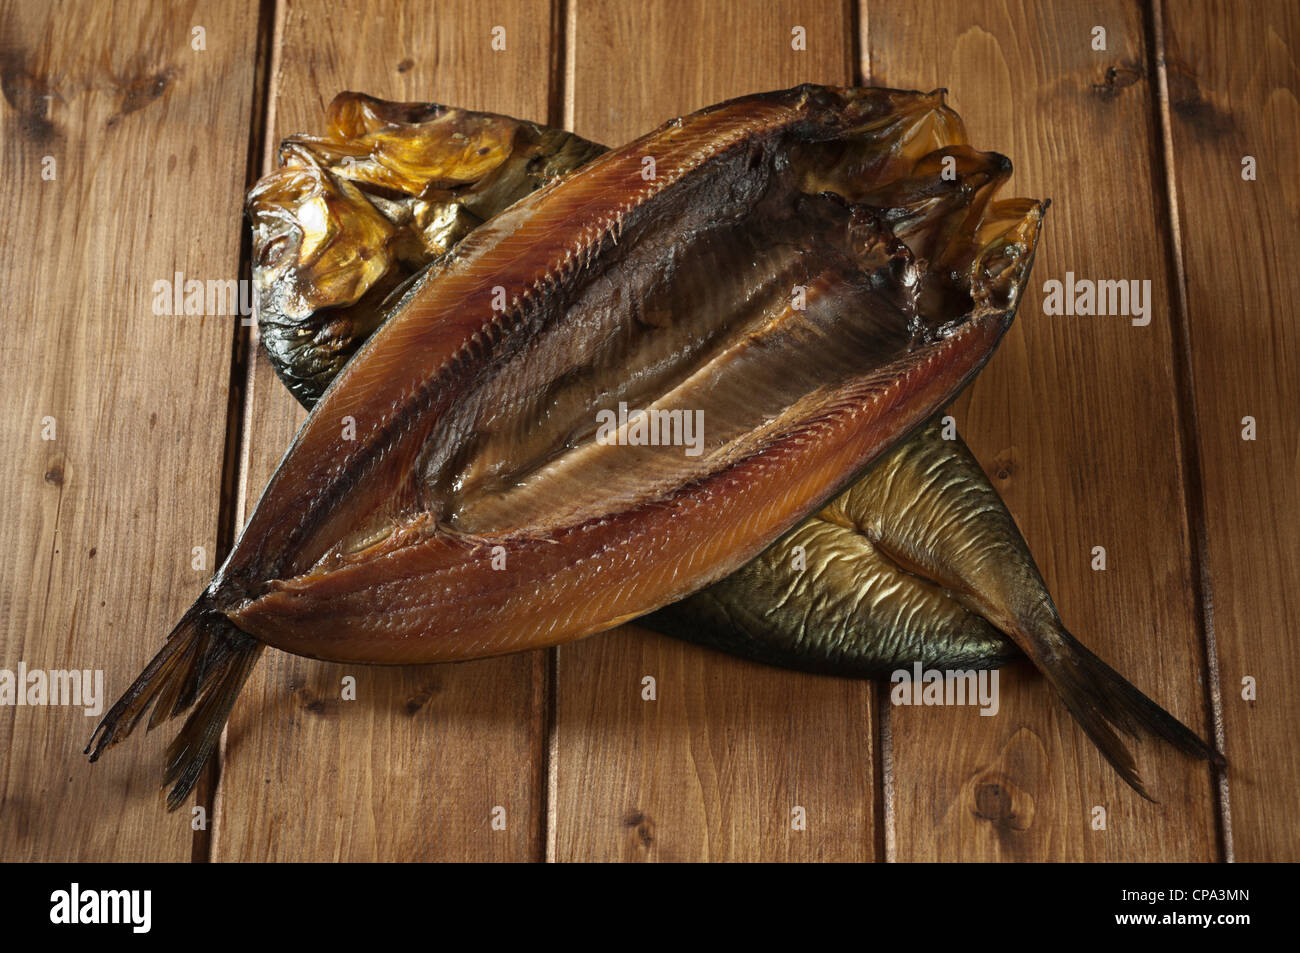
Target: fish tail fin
pixel 202 666
pixel 1104 703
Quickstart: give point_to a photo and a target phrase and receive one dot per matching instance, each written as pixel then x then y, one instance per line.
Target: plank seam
pixel 882 760
pixel 855 41
pixel 559 112
pixel 1188 417
pixel 234 487
pixel 886 835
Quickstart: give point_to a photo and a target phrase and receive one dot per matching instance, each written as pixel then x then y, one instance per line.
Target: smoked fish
pixel 453 494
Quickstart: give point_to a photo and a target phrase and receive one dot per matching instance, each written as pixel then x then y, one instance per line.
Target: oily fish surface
pixel 349 216
pixel 476 428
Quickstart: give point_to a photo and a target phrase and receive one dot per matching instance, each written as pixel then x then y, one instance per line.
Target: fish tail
pixel 1105 704
pixel 202 666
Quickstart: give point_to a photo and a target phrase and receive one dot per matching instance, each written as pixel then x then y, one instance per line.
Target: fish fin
pixel 1104 703
pixel 203 666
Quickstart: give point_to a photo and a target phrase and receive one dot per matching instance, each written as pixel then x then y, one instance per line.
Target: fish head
pixel 318 247
pixel 350 217
pixel 901 160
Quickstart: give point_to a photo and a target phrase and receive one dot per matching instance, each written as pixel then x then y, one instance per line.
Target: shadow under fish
pixel 870 201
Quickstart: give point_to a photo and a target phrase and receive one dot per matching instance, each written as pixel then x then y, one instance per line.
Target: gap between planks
pixel 857 16
pixel 1188 418
pixel 235 466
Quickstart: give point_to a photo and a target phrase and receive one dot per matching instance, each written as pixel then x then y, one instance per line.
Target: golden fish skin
pixel 350 216
pixel 933 513
pixel 475 404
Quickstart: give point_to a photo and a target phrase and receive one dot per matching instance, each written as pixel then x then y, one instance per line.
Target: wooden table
pixel 132 438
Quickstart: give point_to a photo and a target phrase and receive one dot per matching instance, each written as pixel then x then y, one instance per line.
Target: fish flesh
pixel 838 594
pixel 751 276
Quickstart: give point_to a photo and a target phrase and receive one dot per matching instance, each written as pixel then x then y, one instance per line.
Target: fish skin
pixel 349 217
pixel 346 555
pixel 933 513
pixel 826 598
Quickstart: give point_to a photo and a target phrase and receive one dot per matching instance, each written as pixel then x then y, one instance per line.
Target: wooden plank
pixel 1077 420
pixel 1233 88
pixel 148 139
pixel 413 769
pixel 713 768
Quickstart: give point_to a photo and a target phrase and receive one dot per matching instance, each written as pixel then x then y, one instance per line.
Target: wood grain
pixel 1079 420
pixel 713 768
pixel 1076 419
pixel 414 768
pixel 1233 88
pixel 148 138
